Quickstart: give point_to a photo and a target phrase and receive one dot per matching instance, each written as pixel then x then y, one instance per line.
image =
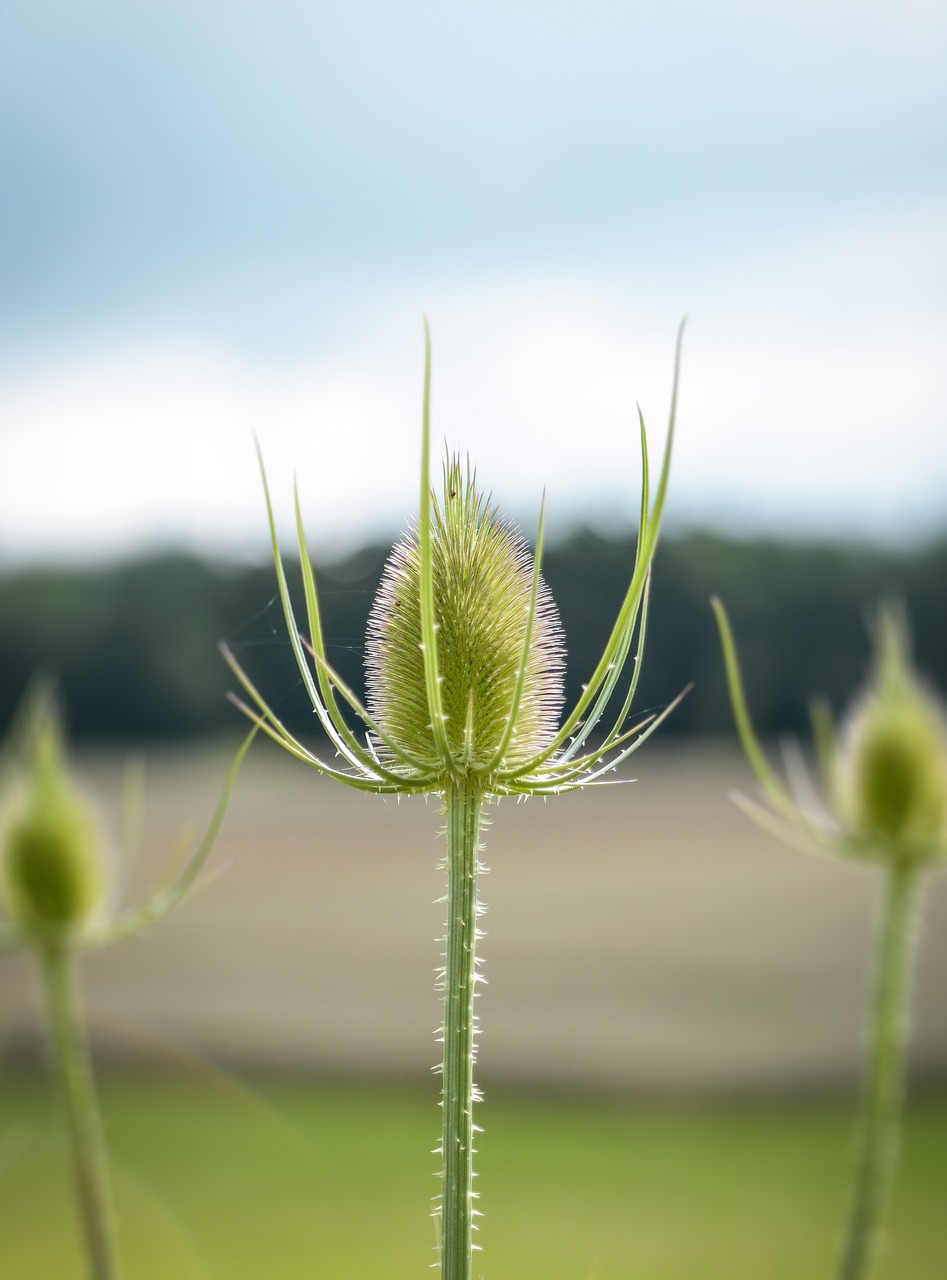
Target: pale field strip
pixel 641 936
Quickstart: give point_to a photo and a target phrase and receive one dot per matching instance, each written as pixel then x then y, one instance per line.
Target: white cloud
pixel 813 398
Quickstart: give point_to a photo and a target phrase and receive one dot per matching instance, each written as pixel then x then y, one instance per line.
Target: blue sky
pixel 218 218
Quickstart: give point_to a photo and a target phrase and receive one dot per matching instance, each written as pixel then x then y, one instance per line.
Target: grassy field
pixel 645 936
pixel 333 1180
pixel 643 942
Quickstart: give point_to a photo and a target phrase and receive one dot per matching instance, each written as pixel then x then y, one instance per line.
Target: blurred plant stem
pixel 879 1130
pixel 463 804
pixel 74 1072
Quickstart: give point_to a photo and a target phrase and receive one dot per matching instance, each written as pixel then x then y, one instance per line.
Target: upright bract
pixel 464 665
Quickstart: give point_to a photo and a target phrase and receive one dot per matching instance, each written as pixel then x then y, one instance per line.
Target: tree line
pixel 134 647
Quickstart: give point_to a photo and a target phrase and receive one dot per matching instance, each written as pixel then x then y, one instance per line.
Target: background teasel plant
pixel 885 781
pixel 465 663
pixel 56 888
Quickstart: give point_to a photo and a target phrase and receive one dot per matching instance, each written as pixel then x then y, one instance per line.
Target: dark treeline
pixel 134 647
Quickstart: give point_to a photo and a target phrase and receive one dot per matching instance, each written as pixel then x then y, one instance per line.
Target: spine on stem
pixel 74 1072
pixel 880 1121
pixel 464 806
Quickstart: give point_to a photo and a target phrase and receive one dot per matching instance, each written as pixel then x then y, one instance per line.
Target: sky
pixel 221 219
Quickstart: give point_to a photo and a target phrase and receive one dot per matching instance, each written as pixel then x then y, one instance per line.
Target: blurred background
pixel 226 219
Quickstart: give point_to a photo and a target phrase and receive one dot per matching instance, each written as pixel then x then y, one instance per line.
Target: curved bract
pixel 465 657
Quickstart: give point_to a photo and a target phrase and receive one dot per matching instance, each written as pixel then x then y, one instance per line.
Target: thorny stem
pixel 463 808
pixel 880 1120
pixel 74 1071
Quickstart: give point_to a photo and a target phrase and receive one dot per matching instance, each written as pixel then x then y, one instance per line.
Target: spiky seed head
pixel 482 574
pixel 53 874
pixel 891 767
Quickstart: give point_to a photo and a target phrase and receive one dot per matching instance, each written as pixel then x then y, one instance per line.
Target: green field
pixel 334 1180
pixel 643 942
pixel 640 938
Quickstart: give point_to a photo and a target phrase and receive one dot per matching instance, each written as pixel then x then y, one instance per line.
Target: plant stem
pixel 463 806
pixel 74 1072
pixel 880 1119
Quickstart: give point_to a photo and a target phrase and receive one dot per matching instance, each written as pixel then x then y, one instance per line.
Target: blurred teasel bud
pixel 56 882
pixel 53 872
pixel 885 777
pixel 885 771
pixel 888 775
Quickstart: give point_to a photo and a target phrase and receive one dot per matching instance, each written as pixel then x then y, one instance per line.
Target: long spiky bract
pixel 464 689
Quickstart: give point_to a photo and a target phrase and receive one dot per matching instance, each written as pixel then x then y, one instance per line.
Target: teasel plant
pixel 58 890
pixel 884 801
pixel 464 675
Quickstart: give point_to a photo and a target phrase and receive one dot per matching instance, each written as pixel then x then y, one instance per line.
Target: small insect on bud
pixel 482 583
pixel 891 766
pixel 53 875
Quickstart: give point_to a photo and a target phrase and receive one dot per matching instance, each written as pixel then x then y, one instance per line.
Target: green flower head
pixel 889 774
pixel 492 636
pixel 884 773
pixel 57 883
pixel 465 655
pixel 53 874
